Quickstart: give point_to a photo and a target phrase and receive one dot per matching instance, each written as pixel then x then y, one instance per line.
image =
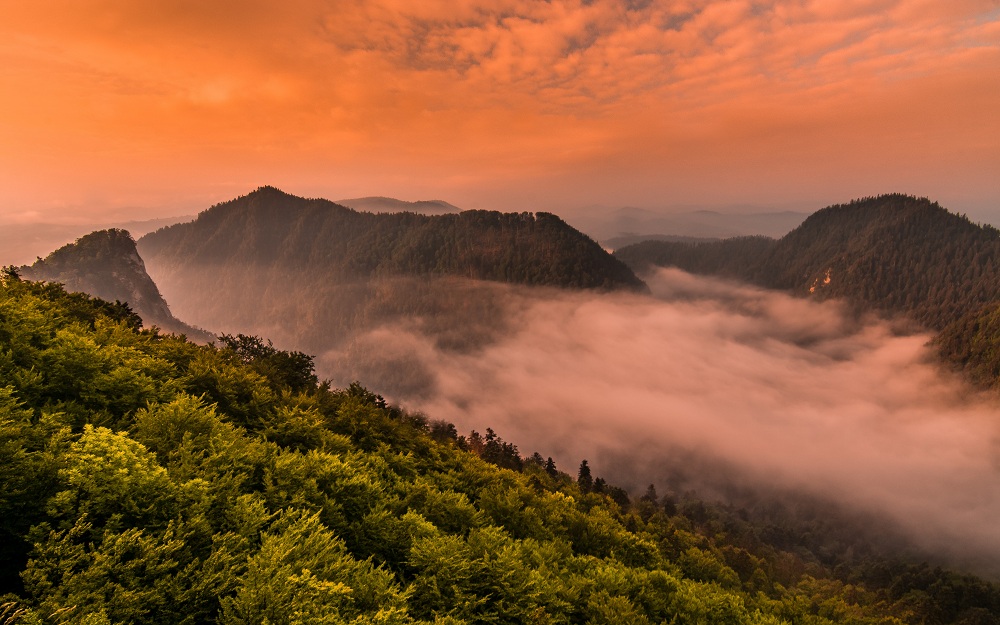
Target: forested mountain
pixel 314 276
pixel 106 264
pixel 972 345
pixel 892 253
pixel 269 228
pixel 146 479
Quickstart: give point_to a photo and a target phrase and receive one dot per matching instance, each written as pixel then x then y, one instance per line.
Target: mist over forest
pixel 778 390
pixel 754 387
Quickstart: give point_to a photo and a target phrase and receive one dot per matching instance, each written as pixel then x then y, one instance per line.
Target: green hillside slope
pixel 146 479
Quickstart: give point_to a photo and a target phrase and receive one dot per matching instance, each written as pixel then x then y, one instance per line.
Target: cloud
pixel 495 101
pixel 785 391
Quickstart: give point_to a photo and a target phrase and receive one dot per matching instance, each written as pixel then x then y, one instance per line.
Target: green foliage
pixel 232 491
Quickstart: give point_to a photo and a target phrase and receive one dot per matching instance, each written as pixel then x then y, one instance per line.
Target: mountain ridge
pixel 319 277
pixel 269 225
pixel 382 204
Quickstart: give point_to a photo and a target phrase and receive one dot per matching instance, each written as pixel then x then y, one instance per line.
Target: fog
pixel 786 392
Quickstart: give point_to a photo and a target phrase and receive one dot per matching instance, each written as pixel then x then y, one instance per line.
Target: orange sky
pixel 122 108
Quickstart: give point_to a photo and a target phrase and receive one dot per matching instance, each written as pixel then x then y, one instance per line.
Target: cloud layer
pixel 499 104
pixel 785 391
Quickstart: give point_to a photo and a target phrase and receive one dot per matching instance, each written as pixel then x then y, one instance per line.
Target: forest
pixel 896 255
pixel 147 479
pixel 271 228
pixel 315 276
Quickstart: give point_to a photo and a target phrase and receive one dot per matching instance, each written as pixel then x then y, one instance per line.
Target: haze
pixel 115 110
pixel 786 392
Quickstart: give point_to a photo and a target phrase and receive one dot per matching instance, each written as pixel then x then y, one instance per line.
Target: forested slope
pixel 893 253
pixel 315 276
pixel 270 228
pixel 146 479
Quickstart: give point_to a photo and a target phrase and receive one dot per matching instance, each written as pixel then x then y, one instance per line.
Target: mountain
pixel 106 264
pixel 316 276
pixel 631 239
pixel 269 228
pixel 392 205
pixel 893 253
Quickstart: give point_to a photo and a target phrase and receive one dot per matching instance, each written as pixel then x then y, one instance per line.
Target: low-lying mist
pixel 783 391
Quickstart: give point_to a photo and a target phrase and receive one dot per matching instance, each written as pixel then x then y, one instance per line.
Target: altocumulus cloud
pixel 501 102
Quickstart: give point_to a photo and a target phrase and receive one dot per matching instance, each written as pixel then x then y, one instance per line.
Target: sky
pixel 129 110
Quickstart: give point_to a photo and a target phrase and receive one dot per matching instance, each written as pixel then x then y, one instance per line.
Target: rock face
pixel 106 264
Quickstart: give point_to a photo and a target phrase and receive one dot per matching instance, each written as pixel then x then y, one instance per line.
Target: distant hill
pixel 631 239
pixel 314 275
pixel 106 264
pixel 392 205
pixel 606 225
pixel 892 253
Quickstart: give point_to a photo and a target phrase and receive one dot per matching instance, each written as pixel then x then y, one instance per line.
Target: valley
pixel 765 408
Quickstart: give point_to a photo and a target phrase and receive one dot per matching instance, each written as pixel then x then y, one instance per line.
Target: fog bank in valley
pixel 784 391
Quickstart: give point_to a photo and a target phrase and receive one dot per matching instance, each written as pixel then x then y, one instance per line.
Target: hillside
pixel 269 228
pixel 894 253
pixel 314 276
pixel 150 480
pixel 106 264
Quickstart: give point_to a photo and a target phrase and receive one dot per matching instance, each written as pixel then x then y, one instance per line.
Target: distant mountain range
pixel 312 274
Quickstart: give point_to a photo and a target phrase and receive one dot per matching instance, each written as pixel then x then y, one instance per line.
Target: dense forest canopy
pixel 894 254
pixel 269 227
pixel 147 479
